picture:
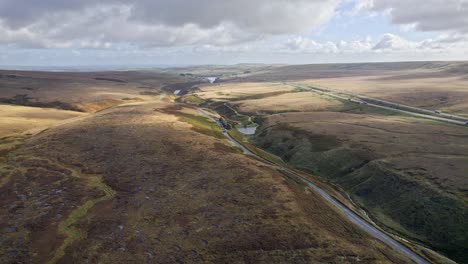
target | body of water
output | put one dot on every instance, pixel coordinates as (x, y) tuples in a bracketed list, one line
[(247, 130), (212, 79)]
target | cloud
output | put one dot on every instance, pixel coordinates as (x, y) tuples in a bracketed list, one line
[(260, 16), (306, 45), (388, 43), (147, 30), (423, 15), (301, 44), (394, 42), (148, 23)]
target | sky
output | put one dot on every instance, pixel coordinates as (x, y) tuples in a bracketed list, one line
[(194, 32)]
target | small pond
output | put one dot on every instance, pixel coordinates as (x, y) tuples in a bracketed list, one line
[(212, 79), (247, 130)]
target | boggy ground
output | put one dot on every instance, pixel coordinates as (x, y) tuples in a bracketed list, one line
[(150, 183)]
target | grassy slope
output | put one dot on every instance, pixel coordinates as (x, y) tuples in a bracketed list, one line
[(201, 124), (87, 91), (393, 197), (15, 120), (179, 195)]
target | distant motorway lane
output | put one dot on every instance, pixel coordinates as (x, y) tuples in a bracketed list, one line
[(392, 106), (353, 217)]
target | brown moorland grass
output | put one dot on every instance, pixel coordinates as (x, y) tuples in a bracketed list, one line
[(432, 85), (87, 91), (446, 93), (300, 101), (183, 194), (391, 137), (177, 195), (410, 174), (241, 90), (15, 120)]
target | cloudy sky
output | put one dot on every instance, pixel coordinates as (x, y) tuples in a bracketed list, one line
[(179, 32)]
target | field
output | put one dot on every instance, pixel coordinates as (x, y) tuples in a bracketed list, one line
[(152, 182)]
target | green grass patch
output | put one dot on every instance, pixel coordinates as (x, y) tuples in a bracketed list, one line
[(193, 99), (232, 115), (67, 227), (239, 137), (201, 124)]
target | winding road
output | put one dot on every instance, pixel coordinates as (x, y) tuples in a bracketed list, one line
[(353, 217)]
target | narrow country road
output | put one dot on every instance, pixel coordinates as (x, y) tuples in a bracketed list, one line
[(353, 217), (393, 106)]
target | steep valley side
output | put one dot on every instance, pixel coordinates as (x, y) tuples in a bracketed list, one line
[(390, 180)]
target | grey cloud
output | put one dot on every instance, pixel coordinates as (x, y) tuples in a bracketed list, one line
[(157, 23), (261, 16), (20, 13), (426, 15)]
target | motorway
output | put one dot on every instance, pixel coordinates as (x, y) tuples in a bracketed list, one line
[(458, 120), (353, 217)]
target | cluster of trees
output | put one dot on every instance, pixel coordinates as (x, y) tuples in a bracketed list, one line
[(225, 123)]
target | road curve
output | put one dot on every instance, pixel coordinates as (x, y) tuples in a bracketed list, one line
[(353, 217)]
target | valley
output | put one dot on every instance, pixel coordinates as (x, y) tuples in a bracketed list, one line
[(115, 167)]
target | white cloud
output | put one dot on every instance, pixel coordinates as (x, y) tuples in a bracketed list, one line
[(355, 46), (387, 43), (394, 42), (306, 45)]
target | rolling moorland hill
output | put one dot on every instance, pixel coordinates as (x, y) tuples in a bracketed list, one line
[(316, 71), (87, 91), (157, 183), (408, 173), (431, 85)]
